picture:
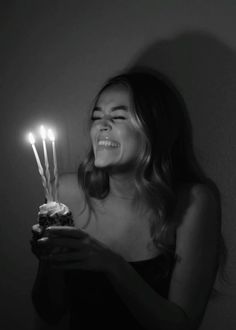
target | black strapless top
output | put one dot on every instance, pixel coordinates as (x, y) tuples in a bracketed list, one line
[(94, 302)]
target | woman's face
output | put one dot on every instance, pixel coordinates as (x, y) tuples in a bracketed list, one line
[(115, 138)]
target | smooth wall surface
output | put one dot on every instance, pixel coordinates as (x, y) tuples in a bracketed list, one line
[(55, 56)]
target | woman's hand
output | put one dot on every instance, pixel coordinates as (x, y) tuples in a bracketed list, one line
[(37, 246), (78, 250)]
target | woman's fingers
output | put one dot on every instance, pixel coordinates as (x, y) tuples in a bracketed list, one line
[(67, 231), (36, 231), (37, 248), (70, 266), (67, 261), (36, 228), (70, 243), (66, 257), (40, 247)]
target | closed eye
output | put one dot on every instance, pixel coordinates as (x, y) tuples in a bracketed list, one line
[(119, 117), (93, 118)]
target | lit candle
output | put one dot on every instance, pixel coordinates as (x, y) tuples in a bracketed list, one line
[(43, 136), (51, 137), (40, 168)]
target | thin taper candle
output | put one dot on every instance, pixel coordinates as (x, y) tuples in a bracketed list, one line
[(40, 168), (43, 136), (52, 139)]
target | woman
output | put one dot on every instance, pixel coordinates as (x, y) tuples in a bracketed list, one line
[(144, 250)]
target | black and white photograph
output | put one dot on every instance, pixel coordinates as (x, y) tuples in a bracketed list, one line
[(118, 163)]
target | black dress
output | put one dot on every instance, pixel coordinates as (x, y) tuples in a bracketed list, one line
[(94, 303)]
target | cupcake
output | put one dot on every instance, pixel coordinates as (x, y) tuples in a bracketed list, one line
[(54, 214)]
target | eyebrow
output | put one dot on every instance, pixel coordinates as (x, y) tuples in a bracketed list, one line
[(118, 107)]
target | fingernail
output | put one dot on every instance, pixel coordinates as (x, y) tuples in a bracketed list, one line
[(43, 240)]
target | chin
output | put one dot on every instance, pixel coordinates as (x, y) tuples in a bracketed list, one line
[(100, 163)]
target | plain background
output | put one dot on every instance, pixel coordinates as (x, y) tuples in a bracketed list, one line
[(55, 56)]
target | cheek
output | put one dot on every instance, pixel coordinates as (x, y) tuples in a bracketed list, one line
[(136, 146), (133, 143), (92, 134)]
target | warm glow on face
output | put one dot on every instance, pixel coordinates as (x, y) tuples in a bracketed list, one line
[(51, 135), (31, 138), (42, 132)]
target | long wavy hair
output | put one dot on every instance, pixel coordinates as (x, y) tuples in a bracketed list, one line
[(167, 159)]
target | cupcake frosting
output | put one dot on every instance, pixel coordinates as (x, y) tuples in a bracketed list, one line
[(52, 208)]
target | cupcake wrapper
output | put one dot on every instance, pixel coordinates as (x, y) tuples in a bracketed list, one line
[(55, 220)]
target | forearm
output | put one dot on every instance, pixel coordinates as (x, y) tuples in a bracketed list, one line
[(150, 309), (48, 293)]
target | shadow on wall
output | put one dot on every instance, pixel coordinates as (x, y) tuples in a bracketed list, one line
[(203, 68)]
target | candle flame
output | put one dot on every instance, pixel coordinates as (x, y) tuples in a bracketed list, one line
[(42, 132), (51, 135), (31, 138)]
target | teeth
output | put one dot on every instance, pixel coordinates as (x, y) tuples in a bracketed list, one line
[(108, 144)]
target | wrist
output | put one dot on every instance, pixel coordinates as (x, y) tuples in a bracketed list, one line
[(116, 267)]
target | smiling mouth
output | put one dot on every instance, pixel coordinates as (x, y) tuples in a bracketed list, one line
[(108, 144)]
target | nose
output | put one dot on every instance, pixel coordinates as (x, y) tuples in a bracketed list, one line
[(105, 125)]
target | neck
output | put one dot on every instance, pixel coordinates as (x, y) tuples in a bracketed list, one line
[(122, 186)]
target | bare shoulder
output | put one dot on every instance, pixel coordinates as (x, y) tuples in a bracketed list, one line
[(198, 233), (197, 249), (69, 189), (204, 194)]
